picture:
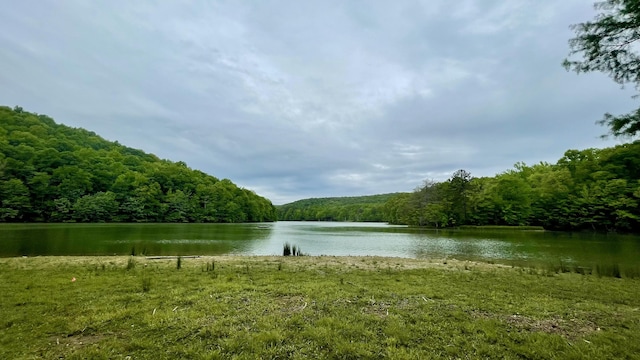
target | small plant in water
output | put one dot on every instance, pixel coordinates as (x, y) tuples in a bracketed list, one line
[(289, 250), (286, 251)]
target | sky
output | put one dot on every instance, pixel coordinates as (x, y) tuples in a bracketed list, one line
[(314, 98)]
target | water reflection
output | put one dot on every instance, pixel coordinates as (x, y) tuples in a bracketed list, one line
[(121, 239), (317, 238)]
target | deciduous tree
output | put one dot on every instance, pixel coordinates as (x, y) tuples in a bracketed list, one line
[(609, 44)]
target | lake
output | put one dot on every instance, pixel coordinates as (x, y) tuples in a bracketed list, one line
[(319, 238)]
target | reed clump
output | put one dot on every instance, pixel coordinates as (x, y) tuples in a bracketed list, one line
[(131, 263), (291, 250)]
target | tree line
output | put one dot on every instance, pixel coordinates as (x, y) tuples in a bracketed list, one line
[(54, 173), (353, 208), (592, 189)]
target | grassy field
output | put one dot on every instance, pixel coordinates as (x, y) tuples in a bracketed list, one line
[(309, 307)]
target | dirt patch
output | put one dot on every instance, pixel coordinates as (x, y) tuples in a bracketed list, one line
[(354, 262), (377, 263), (571, 328), (291, 304), (568, 328), (78, 340)]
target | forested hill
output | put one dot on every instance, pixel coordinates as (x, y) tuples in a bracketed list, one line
[(53, 173), (592, 189), (356, 208)]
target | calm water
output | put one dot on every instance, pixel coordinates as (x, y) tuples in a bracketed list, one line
[(317, 238)]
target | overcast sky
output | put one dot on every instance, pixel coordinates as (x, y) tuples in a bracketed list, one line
[(298, 99)]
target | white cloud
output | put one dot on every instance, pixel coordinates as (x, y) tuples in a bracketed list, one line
[(313, 98)]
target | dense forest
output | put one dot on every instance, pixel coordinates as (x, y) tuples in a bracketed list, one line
[(593, 189), (356, 208), (54, 173)]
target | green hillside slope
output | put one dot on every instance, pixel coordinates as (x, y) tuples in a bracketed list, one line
[(51, 172), (591, 189)]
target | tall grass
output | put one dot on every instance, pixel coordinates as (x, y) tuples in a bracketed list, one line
[(601, 270), (289, 250), (211, 266)]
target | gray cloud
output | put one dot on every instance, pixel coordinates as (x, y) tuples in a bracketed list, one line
[(313, 98)]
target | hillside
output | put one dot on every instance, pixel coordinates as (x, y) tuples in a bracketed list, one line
[(591, 189), (355, 208), (54, 173)]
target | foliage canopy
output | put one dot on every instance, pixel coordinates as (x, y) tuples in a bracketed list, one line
[(592, 189), (609, 44), (353, 208), (53, 173)]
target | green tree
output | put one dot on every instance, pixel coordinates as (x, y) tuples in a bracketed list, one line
[(458, 193), (14, 200), (513, 198), (435, 215), (484, 202), (72, 182), (178, 206), (551, 200), (62, 210), (99, 207), (150, 198), (429, 206), (40, 185), (608, 44)]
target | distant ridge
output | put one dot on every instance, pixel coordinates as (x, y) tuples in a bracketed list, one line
[(349, 208)]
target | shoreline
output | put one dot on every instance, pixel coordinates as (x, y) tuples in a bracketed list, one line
[(363, 262)]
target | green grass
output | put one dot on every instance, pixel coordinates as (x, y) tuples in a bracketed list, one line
[(629, 271), (310, 307)]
